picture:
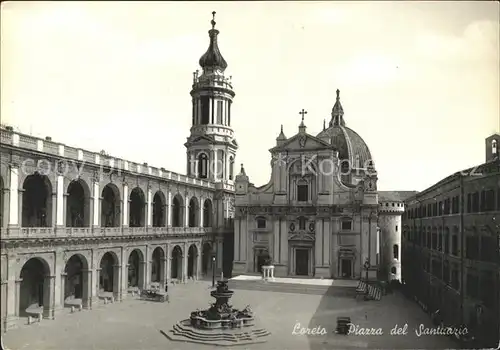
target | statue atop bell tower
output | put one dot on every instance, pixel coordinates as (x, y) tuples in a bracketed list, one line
[(211, 146)]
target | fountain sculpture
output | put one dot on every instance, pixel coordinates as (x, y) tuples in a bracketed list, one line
[(221, 324)]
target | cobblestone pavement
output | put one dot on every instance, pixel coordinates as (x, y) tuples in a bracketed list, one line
[(135, 324)]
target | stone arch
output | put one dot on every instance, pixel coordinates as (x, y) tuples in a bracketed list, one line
[(135, 269), (177, 211), (37, 201), (76, 283), (109, 276), (207, 213), (206, 258), (193, 210), (110, 206), (157, 265), (35, 289), (137, 213), (176, 265), (203, 165), (192, 261), (159, 204), (2, 202), (78, 204)]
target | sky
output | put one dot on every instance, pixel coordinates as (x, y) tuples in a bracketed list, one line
[(419, 81)]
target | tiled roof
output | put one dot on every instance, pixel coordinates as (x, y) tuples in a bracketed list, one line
[(395, 196)]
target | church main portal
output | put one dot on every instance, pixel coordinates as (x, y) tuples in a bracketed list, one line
[(302, 262)]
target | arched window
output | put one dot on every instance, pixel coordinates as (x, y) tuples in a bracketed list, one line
[(494, 147), (231, 167), (202, 166), (302, 223), (395, 251), (261, 222), (302, 191)]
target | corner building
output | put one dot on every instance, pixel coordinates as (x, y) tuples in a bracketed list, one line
[(451, 248), (317, 216), (79, 227)]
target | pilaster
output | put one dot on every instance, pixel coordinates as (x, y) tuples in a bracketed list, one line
[(125, 206)]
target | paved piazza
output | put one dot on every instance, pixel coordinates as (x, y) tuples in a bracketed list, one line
[(135, 324)]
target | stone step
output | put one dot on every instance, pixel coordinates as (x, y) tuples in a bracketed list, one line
[(292, 288), (186, 333)]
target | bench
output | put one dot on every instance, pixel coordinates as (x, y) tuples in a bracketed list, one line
[(73, 303), (107, 297), (374, 293), (361, 288), (154, 295), (35, 313)]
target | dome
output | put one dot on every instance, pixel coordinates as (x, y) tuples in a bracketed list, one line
[(213, 58), (349, 145)]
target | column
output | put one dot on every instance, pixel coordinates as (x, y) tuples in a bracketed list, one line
[(143, 275), (98, 281), (14, 196), (198, 262), (192, 168), (97, 212), (5, 208), (201, 211), (211, 110), (49, 286), (318, 244), (169, 264), (237, 254), (169, 212), (198, 107), (125, 206), (163, 270), (276, 239), (63, 288), (65, 201), (213, 167), (87, 289), (17, 295), (149, 209), (184, 263), (59, 202), (53, 216), (186, 213), (117, 282)]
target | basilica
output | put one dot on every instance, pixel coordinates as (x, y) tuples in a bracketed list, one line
[(317, 216)]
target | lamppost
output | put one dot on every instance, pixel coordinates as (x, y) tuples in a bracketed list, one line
[(367, 266), (213, 269)]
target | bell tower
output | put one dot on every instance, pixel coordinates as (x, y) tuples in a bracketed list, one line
[(211, 146)]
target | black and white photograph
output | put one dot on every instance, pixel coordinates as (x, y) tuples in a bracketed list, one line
[(297, 175)]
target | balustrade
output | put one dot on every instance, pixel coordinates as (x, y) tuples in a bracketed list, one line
[(61, 232)]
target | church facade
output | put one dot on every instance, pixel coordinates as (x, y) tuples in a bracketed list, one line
[(317, 216)]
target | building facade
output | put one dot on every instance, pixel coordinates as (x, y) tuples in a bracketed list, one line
[(317, 216), (78, 227), (451, 245)]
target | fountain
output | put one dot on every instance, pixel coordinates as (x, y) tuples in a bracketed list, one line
[(221, 324)]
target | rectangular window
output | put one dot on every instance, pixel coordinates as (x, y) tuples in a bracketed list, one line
[(469, 202), (440, 208), (454, 245), (302, 223), (219, 112), (454, 279), (205, 110), (434, 241), (346, 225), (446, 243), (302, 193), (261, 223), (396, 228), (488, 200)]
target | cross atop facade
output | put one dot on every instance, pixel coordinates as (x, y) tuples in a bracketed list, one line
[(303, 112)]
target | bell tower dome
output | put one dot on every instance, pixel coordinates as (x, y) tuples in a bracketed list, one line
[(211, 146)]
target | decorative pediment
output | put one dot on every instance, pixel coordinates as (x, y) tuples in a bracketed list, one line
[(300, 236), (201, 139), (302, 141)]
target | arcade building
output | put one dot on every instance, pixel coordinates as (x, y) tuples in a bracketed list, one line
[(80, 227)]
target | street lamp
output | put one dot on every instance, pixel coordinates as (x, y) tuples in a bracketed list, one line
[(367, 266), (213, 269)]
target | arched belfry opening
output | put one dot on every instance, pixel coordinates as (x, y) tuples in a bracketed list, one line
[(37, 201), (203, 166)]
